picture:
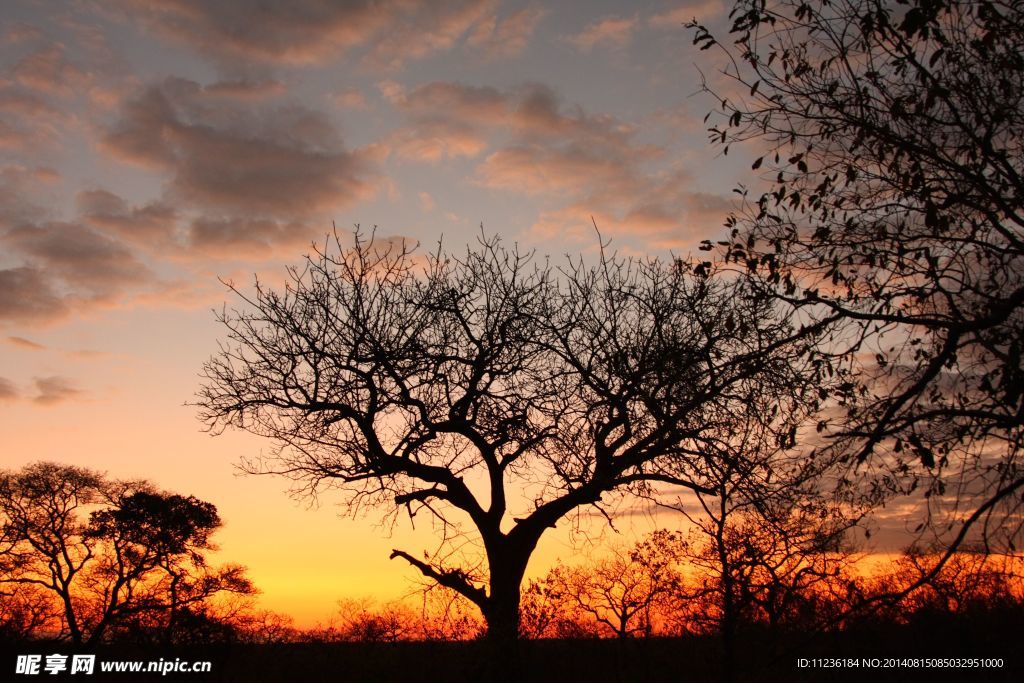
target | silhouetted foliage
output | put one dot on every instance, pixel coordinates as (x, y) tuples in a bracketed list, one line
[(492, 390), (265, 627), (361, 621), (625, 593), (783, 568), (25, 611), (442, 615), (447, 615), (87, 558), (896, 205), (968, 584), (545, 613)]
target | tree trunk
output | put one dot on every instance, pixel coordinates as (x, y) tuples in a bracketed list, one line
[(502, 612), (74, 630), (502, 616), (728, 624), (728, 631)]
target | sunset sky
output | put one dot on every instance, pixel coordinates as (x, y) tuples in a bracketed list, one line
[(150, 148)]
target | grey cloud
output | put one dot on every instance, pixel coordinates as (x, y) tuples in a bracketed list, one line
[(255, 173), (242, 237), (21, 32), (55, 389), (152, 226), (18, 185), (27, 295), (8, 392), (9, 135), (146, 131), (310, 31), (53, 266), (247, 89), (79, 256), (276, 173), (480, 104)]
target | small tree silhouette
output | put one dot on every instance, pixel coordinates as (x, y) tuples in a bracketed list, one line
[(108, 554)]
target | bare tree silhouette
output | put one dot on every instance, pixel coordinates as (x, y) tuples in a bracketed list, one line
[(491, 390)]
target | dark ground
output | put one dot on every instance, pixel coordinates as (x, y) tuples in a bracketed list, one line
[(765, 658)]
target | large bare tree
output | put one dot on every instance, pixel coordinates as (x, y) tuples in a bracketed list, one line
[(492, 390)]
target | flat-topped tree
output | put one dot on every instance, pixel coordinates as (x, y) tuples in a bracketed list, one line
[(98, 559), (491, 390)]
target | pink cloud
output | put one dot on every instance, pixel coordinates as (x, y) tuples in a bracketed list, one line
[(509, 36), (349, 98), (21, 32), (578, 163), (658, 210), (417, 30), (539, 169), (49, 71), (436, 141), (678, 16), (613, 32), (23, 343), (427, 202), (29, 120), (677, 225)]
